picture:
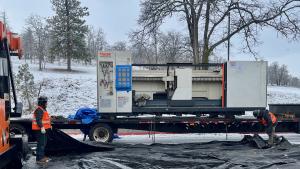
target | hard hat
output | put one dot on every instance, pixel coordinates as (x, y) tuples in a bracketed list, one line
[(42, 99)]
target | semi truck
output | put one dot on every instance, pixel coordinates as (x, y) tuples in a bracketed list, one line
[(174, 97)]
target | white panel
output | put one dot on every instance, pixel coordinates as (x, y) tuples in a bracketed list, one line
[(246, 84), (109, 99), (106, 85), (184, 84), (124, 98), (124, 101)]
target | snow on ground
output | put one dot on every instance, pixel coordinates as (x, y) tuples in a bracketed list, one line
[(189, 138), (279, 94), (68, 91)]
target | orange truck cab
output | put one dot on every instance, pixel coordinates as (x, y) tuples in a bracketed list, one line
[(10, 44)]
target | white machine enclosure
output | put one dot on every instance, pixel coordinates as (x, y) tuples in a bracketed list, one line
[(111, 100), (246, 84)]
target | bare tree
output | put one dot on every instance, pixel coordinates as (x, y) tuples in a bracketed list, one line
[(207, 20), (142, 47), (28, 44), (294, 81), (171, 47), (95, 43), (273, 72), (40, 30), (283, 76), (119, 46), (280, 76)]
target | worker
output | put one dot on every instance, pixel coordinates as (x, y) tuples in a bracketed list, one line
[(40, 124), (269, 120)]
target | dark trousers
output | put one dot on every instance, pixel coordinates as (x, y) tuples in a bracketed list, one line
[(270, 130), (41, 144)]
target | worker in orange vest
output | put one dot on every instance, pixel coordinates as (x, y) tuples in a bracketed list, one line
[(41, 122), (269, 120)]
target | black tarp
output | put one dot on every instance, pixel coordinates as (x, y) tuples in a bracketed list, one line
[(60, 143), (215, 154)]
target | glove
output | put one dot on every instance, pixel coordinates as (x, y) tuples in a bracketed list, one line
[(43, 131)]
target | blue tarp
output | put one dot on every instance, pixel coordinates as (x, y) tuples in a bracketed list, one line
[(86, 115)]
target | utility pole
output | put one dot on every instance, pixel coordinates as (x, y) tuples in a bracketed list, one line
[(228, 47), (4, 18)]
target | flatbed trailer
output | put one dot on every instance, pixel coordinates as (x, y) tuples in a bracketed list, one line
[(102, 130), (177, 98)]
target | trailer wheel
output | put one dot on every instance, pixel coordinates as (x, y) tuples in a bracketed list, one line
[(101, 133)]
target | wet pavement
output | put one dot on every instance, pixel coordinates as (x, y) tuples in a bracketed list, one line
[(215, 154)]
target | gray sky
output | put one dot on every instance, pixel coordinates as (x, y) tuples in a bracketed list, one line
[(118, 17)]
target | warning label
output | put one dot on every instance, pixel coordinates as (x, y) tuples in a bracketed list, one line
[(105, 103), (122, 101)]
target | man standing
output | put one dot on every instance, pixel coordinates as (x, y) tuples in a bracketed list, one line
[(40, 124), (269, 120)]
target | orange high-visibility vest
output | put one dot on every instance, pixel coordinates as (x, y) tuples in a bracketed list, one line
[(273, 118), (45, 120)]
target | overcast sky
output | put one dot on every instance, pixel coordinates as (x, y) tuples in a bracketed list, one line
[(118, 17)]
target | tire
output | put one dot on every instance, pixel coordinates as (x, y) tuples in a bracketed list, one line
[(101, 133)]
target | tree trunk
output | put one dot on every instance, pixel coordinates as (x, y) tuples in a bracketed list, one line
[(206, 53), (196, 53), (156, 46), (192, 22), (39, 55), (29, 103), (206, 50), (69, 62), (69, 58)]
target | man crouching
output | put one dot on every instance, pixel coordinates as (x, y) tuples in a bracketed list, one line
[(269, 120)]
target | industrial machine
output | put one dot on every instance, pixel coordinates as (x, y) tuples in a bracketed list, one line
[(10, 146), (230, 88)]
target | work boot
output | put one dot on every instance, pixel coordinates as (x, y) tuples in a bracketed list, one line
[(43, 160), (47, 158), (277, 139), (271, 139)]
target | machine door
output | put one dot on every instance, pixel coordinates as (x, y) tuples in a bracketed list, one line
[(246, 84)]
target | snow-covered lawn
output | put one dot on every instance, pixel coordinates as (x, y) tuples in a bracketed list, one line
[(68, 91), (279, 94)]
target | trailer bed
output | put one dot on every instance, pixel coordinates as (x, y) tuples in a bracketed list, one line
[(175, 124)]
